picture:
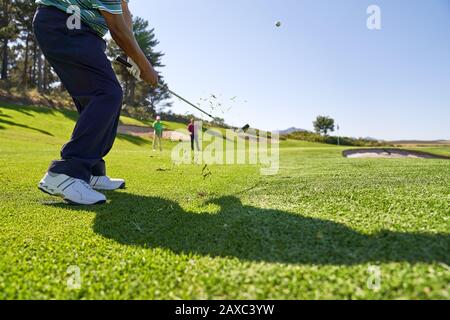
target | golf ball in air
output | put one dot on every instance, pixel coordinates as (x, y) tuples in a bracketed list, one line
[(278, 24)]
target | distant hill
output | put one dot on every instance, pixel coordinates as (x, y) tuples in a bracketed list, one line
[(292, 130), (344, 141)]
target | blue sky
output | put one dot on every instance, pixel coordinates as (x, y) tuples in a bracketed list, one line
[(390, 84)]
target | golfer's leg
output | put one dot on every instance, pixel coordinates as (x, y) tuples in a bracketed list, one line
[(92, 136), (196, 143), (192, 142), (78, 57), (160, 142), (154, 142), (100, 168)]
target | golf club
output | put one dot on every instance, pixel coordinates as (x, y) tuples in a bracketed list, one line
[(128, 65)]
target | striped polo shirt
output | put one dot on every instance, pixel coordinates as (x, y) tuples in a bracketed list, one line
[(89, 11)]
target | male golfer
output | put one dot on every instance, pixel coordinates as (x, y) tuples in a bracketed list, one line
[(158, 133), (76, 51)]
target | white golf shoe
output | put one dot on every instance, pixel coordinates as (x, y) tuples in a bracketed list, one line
[(75, 191), (106, 183)]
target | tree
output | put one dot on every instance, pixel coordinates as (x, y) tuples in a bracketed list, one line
[(23, 65), (323, 124), (8, 31), (22, 62), (25, 24)]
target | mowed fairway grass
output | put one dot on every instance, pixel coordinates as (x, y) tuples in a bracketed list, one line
[(310, 232)]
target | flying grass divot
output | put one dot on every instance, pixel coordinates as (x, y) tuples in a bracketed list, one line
[(206, 173)]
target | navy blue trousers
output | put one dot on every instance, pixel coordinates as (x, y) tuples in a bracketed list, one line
[(79, 59)]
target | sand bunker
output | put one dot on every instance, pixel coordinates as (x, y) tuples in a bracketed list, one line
[(390, 153), (139, 131)]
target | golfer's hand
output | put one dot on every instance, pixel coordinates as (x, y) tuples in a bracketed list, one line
[(145, 73), (149, 75), (134, 69)]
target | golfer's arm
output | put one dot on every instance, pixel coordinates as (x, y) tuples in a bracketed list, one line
[(127, 16), (124, 37)]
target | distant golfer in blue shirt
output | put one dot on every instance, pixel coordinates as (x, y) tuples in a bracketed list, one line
[(70, 34)]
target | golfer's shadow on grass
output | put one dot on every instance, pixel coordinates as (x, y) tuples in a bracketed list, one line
[(255, 234)]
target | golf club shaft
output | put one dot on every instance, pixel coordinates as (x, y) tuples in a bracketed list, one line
[(128, 65), (186, 101)]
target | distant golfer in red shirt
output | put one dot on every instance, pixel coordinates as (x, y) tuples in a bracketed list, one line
[(194, 134)]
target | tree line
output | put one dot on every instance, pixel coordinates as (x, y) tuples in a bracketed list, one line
[(23, 66)]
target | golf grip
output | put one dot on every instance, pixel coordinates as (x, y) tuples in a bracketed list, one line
[(128, 65)]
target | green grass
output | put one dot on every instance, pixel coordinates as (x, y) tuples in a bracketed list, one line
[(310, 232), (444, 151)]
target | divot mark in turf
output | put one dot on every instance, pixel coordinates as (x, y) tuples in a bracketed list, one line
[(202, 194)]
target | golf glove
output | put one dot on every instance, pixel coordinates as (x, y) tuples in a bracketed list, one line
[(134, 69)]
